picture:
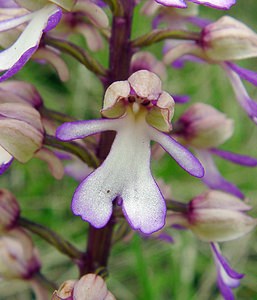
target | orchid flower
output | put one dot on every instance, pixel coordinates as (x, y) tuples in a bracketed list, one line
[(139, 111), (40, 17), (223, 42), (219, 4)]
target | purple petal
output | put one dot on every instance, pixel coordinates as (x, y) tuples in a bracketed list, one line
[(183, 157), (166, 238), (213, 179), (218, 4), (246, 74), (5, 166), (239, 159), (242, 96), (77, 130), (227, 278), (173, 3), (200, 22), (8, 4), (53, 20), (181, 99), (19, 64), (14, 58)]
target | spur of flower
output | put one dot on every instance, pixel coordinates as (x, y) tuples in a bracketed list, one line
[(40, 17), (139, 111)]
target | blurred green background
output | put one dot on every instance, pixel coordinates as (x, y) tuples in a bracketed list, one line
[(142, 269)]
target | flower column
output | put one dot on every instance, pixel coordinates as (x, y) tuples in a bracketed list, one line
[(99, 240)]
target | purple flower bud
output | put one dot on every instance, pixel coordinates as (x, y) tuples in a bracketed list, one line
[(88, 287), (18, 256), (215, 216), (91, 286), (229, 39), (202, 126), (9, 210)]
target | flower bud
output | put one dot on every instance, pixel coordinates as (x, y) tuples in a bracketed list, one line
[(19, 258), (91, 287), (14, 91), (9, 210), (217, 217), (21, 130), (229, 39), (202, 126), (88, 287)]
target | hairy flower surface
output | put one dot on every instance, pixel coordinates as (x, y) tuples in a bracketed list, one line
[(140, 112)]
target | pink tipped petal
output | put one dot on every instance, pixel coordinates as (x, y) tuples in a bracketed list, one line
[(183, 157), (218, 4), (239, 159), (80, 129), (173, 3), (5, 160), (18, 54), (212, 177)]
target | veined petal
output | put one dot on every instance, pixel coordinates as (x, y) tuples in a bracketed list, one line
[(5, 160), (183, 157), (77, 130), (212, 177), (18, 54), (126, 173), (239, 159)]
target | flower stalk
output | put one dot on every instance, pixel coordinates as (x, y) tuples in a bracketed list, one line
[(100, 240), (159, 35), (79, 54), (74, 148), (51, 237)]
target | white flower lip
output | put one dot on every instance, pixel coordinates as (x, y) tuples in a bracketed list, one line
[(126, 171)]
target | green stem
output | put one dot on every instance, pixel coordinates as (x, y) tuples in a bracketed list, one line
[(115, 6), (43, 288), (79, 54), (176, 206), (55, 115), (52, 238), (84, 154), (159, 35)]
